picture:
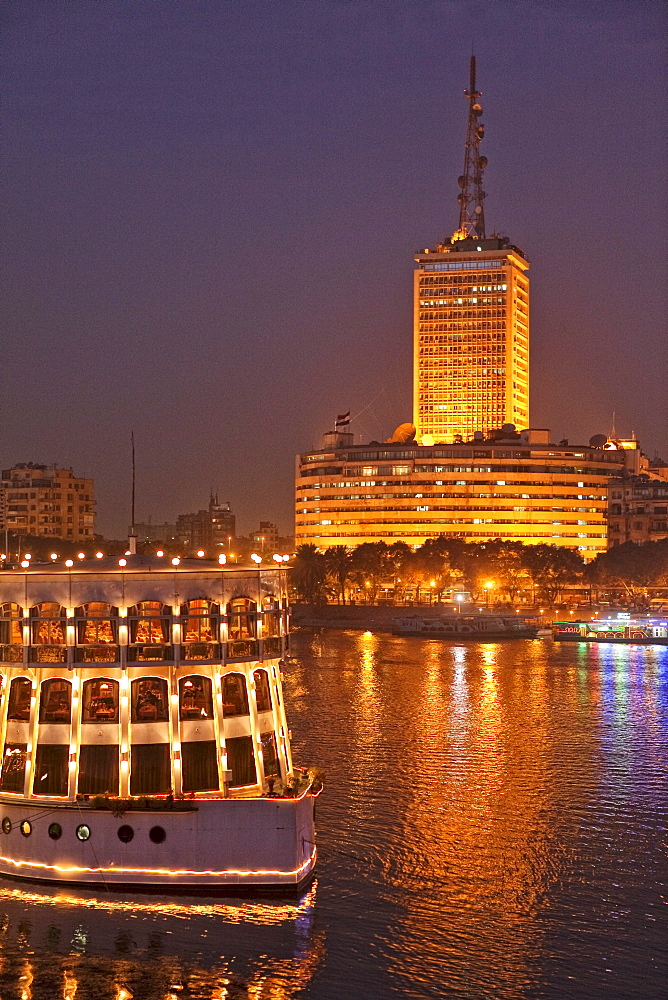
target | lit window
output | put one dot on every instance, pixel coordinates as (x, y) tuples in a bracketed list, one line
[(100, 700), (195, 697), (149, 700), (235, 695), (20, 693), (241, 618), (262, 690)]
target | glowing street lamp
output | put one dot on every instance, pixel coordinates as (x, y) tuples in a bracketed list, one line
[(489, 586)]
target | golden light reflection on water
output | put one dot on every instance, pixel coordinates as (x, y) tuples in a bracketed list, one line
[(480, 824), (241, 911), (133, 947), (367, 690)]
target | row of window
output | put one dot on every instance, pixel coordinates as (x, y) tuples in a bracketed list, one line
[(149, 622), (149, 763), (149, 700)]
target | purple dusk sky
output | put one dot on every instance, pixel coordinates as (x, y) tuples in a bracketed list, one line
[(209, 213)]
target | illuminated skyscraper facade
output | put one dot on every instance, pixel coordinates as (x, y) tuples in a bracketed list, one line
[(471, 318)]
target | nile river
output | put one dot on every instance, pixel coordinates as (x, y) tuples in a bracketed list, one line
[(493, 825)]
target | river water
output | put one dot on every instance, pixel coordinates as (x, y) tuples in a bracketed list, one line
[(493, 825)]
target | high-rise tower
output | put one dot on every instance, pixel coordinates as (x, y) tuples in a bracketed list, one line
[(471, 317)]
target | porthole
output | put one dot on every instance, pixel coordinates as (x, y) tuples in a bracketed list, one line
[(26, 827), (6, 825), (83, 832), (157, 834), (125, 833), (55, 831)]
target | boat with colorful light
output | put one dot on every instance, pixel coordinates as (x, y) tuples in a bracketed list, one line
[(143, 726), (623, 629)]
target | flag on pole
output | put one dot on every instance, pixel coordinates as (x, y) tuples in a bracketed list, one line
[(342, 420)]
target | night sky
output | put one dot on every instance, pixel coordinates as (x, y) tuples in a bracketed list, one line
[(209, 212)]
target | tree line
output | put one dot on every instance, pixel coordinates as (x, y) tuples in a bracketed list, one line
[(496, 570)]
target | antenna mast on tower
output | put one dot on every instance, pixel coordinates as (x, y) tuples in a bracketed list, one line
[(471, 196)]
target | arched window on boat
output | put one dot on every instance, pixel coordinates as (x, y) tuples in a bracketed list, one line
[(11, 633), (271, 616), (235, 695), (20, 693), (241, 618), (48, 632), (100, 700), (55, 701), (150, 702), (149, 623), (97, 632), (195, 697), (200, 629), (262, 690)]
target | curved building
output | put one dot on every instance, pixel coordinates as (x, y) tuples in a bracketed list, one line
[(509, 485)]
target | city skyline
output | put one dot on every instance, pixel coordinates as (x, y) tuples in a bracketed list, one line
[(210, 215)]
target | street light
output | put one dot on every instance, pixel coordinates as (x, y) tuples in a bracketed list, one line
[(488, 587)]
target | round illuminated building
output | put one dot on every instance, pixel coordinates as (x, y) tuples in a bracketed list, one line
[(143, 727)]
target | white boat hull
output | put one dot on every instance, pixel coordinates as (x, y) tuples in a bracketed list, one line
[(218, 845)]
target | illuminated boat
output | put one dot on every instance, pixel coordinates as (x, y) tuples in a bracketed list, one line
[(143, 727), (477, 627), (643, 631)]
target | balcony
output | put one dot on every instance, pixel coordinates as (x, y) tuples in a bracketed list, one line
[(201, 650), (11, 653), (142, 654), (47, 654), (242, 649), (100, 653)]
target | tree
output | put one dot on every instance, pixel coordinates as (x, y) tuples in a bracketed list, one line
[(430, 568), (551, 567), (632, 567), (309, 571), (369, 566), (339, 565)]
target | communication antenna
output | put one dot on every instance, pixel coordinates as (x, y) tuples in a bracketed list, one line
[(472, 196), (132, 537)]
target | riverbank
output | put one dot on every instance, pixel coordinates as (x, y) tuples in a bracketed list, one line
[(363, 617)]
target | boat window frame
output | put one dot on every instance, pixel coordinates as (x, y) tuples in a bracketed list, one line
[(83, 618), (85, 704), (227, 677), (135, 685), (246, 619), (38, 619), (196, 713), (44, 687), (138, 613), (14, 684)]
